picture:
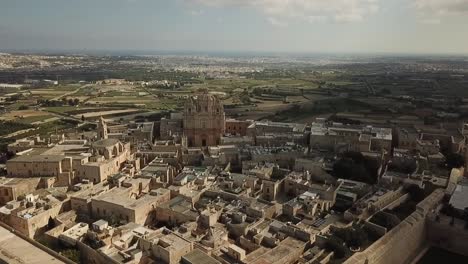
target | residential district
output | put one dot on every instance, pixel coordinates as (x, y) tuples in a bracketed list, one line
[(199, 188)]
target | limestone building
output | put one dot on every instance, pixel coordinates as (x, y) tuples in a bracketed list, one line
[(12, 188), (128, 204), (32, 214), (73, 161), (360, 138), (204, 120)]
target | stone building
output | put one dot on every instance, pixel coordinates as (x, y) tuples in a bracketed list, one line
[(31, 215), (171, 127), (176, 211), (39, 166), (335, 136), (80, 200), (267, 133), (127, 204), (135, 133), (237, 127), (165, 246), (71, 163), (204, 120), (12, 188)]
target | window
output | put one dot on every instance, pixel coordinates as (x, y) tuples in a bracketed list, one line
[(206, 108)]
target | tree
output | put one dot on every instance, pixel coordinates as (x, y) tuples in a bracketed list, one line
[(353, 236), (72, 254), (51, 223), (335, 244), (454, 160), (417, 194), (407, 166), (14, 98), (354, 166), (386, 91)]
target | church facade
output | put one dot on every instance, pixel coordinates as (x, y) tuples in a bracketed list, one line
[(204, 120)]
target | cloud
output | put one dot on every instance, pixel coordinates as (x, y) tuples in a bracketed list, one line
[(433, 11), (196, 12), (276, 22), (282, 12), (430, 21)]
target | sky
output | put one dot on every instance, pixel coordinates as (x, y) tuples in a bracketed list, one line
[(296, 26)]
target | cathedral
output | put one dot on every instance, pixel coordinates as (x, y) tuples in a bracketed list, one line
[(204, 120)]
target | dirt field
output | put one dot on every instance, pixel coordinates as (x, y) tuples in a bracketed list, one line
[(22, 113)]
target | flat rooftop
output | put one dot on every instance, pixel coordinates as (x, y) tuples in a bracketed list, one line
[(14, 181), (199, 257), (61, 149), (38, 158), (90, 192), (119, 196)]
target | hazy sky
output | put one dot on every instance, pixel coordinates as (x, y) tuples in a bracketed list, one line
[(368, 26)]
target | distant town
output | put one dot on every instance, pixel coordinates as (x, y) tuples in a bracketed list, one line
[(203, 159)]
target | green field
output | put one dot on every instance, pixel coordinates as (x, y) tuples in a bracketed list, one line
[(32, 119)]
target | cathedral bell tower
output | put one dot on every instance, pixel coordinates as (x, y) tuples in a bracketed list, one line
[(102, 129)]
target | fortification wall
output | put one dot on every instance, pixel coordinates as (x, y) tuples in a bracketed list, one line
[(404, 241), (92, 256)]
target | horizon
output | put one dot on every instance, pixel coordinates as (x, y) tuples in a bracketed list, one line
[(227, 53), (426, 27)]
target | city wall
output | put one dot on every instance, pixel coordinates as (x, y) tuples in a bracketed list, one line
[(37, 244), (402, 243)]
